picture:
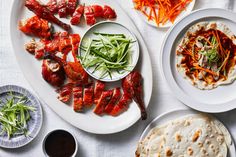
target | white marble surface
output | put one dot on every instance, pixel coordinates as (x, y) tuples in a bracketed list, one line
[(116, 145)]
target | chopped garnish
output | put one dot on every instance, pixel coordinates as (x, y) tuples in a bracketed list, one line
[(14, 115)]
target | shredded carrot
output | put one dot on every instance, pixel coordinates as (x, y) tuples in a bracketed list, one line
[(225, 61), (162, 11), (188, 52), (150, 15), (206, 70), (216, 35)]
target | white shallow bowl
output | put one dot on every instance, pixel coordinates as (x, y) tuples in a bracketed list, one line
[(219, 99), (168, 24), (53, 131), (110, 28), (175, 114)]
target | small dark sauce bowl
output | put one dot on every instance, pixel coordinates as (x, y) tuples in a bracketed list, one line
[(60, 143)]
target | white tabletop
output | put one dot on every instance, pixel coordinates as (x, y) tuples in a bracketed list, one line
[(122, 144)]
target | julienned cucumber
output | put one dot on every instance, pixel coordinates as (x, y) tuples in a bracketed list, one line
[(107, 53), (14, 115)]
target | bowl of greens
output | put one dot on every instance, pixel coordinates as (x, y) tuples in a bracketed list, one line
[(20, 116), (108, 51)]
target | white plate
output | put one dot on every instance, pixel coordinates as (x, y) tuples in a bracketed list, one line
[(188, 10), (112, 28), (88, 121), (172, 115), (34, 124), (219, 99)]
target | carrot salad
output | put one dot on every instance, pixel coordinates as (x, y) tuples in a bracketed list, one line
[(161, 11)]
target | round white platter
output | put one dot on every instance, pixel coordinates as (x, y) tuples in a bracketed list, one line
[(31, 69)]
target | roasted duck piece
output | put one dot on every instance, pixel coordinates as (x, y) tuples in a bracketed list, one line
[(75, 39), (35, 48), (114, 99), (36, 26), (52, 6), (43, 12), (103, 101), (62, 8), (65, 92), (89, 15), (132, 86), (122, 105), (108, 12), (98, 89), (78, 98), (97, 10), (71, 6), (76, 17), (73, 70), (76, 72), (52, 72), (61, 42), (88, 96)]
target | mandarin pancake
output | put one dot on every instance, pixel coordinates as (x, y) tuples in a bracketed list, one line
[(60, 143), (206, 56)]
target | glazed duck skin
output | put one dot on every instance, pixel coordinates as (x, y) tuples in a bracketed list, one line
[(43, 12)]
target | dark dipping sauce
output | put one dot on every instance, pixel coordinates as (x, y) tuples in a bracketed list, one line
[(60, 143)]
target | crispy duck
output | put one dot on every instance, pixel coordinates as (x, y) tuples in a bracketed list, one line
[(114, 99), (77, 15), (132, 86), (65, 92), (102, 102), (108, 12), (121, 106), (73, 70), (78, 98), (52, 6), (71, 6), (43, 12), (36, 26), (62, 8), (98, 89), (60, 42), (53, 72), (89, 15), (88, 96), (54, 48), (97, 10)]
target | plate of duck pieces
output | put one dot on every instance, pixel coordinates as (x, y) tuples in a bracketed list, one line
[(46, 39)]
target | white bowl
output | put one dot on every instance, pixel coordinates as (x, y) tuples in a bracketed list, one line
[(51, 132), (113, 28)]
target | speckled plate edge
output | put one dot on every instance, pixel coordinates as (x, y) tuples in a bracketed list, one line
[(136, 49), (178, 113), (38, 122)]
